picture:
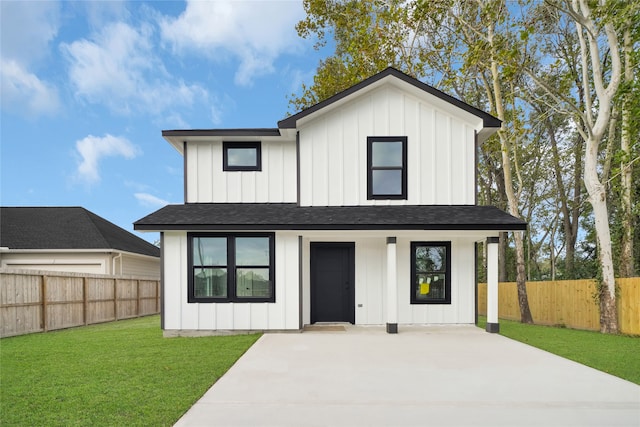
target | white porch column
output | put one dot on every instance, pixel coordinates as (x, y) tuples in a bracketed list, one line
[(492, 285), (392, 287)]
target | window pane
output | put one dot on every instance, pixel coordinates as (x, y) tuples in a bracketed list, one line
[(386, 153), (209, 251), (431, 258), (252, 251), (210, 282), (430, 286), (253, 283), (387, 182), (242, 156)]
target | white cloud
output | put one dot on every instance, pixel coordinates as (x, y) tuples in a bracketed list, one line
[(26, 30), (93, 148), (118, 68), (254, 32), (24, 92), (147, 199)]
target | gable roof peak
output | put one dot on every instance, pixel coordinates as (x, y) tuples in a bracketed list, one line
[(488, 120)]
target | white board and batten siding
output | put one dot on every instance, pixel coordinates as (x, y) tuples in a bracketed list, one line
[(370, 277), (180, 315), (370, 286), (440, 147), (207, 182)]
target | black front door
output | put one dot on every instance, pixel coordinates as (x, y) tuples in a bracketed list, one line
[(333, 282)]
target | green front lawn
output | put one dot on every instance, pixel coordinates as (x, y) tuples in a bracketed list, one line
[(617, 355), (113, 374)]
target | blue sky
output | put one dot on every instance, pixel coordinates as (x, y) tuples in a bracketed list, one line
[(88, 86)]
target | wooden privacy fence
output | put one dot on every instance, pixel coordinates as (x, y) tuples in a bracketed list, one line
[(570, 303), (40, 301)]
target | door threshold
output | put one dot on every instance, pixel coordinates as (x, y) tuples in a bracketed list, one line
[(326, 327)]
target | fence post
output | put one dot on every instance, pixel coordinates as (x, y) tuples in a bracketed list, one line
[(45, 325), (115, 299), (85, 300), (138, 298)]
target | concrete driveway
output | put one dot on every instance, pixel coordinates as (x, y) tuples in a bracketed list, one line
[(423, 376)]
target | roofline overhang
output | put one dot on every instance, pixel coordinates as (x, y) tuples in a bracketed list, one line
[(223, 132), (177, 137), (336, 227)]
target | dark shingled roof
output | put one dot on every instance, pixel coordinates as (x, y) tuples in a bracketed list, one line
[(66, 228), (290, 216)]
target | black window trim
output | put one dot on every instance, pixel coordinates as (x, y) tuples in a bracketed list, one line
[(226, 145), (231, 268), (370, 168), (447, 298)]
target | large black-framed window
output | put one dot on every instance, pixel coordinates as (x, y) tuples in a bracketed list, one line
[(231, 267), (431, 272), (386, 167), (241, 156)]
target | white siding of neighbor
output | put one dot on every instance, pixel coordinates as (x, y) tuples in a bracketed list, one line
[(88, 262), (179, 315), (333, 151), (94, 263), (139, 266), (370, 272), (207, 182)]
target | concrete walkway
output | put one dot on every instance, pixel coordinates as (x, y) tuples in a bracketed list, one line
[(427, 376)]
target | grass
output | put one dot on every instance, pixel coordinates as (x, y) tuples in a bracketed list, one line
[(615, 354), (120, 373)]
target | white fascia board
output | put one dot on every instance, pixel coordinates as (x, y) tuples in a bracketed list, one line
[(58, 251), (177, 142), (342, 235)]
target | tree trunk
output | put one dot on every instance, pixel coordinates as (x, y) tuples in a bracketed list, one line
[(626, 250), (596, 117), (598, 200), (570, 227), (523, 301)]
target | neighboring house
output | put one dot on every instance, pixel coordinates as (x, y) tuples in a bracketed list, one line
[(72, 239), (360, 209)]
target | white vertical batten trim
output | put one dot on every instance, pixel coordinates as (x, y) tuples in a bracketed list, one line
[(392, 283), (492, 282)]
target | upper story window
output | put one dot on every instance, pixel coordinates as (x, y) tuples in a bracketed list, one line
[(241, 156), (387, 167), (431, 272), (236, 267)]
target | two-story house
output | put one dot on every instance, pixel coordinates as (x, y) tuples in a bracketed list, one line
[(360, 209)]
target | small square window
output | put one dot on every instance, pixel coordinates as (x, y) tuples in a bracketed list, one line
[(387, 167), (241, 156)]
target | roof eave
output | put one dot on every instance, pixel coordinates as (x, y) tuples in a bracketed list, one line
[(324, 227), (177, 137)]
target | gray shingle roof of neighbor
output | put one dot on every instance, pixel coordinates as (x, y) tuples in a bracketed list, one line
[(66, 228), (290, 216)]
